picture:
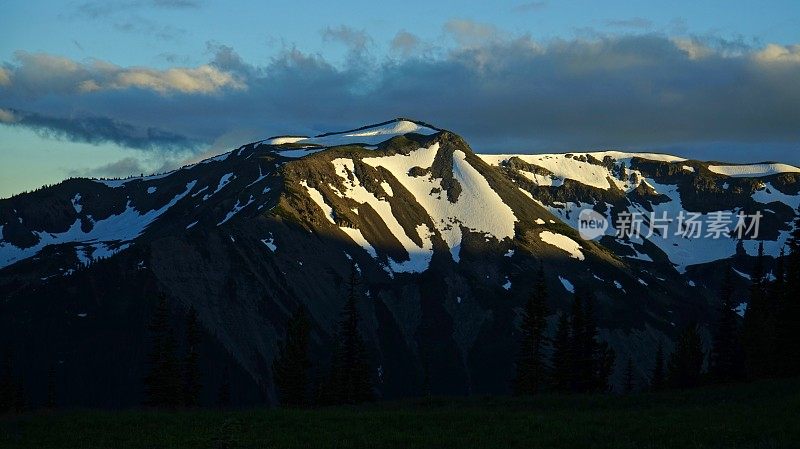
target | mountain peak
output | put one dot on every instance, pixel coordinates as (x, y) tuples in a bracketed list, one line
[(364, 135)]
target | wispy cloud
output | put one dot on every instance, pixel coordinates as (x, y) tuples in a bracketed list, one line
[(97, 130), (99, 9), (639, 23), (530, 6)]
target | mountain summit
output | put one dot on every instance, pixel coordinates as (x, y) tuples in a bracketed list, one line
[(446, 241)]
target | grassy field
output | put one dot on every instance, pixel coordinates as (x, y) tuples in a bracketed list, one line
[(760, 415)]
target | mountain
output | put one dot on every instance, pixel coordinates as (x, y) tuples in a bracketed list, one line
[(446, 241)]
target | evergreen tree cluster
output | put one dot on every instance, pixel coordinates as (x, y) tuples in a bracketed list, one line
[(770, 337), (12, 388), (172, 382), (580, 362), (349, 380), (765, 344)]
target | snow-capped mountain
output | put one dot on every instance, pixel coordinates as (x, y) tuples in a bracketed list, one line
[(446, 241)]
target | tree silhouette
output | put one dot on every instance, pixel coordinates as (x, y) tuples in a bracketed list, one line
[(657, 379), (224, 391), (788, 338), (350, 375), (726, 353), (531, 368), (562, 358), (686, 363), (758, 328), (191, 368), (162, 383), (291, 366), (628, 386), (51, 401)]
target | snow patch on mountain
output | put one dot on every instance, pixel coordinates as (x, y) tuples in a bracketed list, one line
[(122, 227), (753, 170), (419, 256), (367, 136), (468, 211), (563, 243)]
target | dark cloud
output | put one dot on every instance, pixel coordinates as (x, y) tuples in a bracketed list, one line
[(99, 9), (530, 6), (634, 22), (140, 25), (503, 93), (97, 130)]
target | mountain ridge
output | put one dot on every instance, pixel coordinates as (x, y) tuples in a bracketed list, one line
[(445, 239)]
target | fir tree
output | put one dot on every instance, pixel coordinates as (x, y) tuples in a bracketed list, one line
[(657, 379), (291, 366), (191, 367), (562, 358), (350, 375), (757, 330), (787, 336), (162, 383), (726, 354), (629, 381), (7, 393), (51, 400), (224, 391), (579, 353), (531, 368), (686, 363)]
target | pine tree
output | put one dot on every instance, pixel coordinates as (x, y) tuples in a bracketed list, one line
[(191, 367), (224, 392), (291, 366), (531, 368), (350, 375), (657, 379), (562, 358), (726, 353), (51, 400), (6, 383), (580, 355), (757, 330), (162, 383), (787, 336), (686, 363), (600, 353), (629, 381)]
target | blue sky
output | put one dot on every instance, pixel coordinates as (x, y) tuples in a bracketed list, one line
[(91, 88)]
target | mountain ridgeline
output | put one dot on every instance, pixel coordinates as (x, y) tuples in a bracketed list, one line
[(447, 245)]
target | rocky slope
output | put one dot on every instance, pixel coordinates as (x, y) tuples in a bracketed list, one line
[(446, 241)]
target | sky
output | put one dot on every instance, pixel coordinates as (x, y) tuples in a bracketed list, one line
[(120, 87)]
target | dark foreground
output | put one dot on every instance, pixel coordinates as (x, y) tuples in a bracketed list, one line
[(760, 415)]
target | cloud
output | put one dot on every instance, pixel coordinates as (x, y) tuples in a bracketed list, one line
[(405, 43), (139, 25), (774, 53), (7, 116), (40, 74), (634, 22), (468, 33), (502, 92), (95, 9), (97, 130), (5, 77), (530, 6)]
